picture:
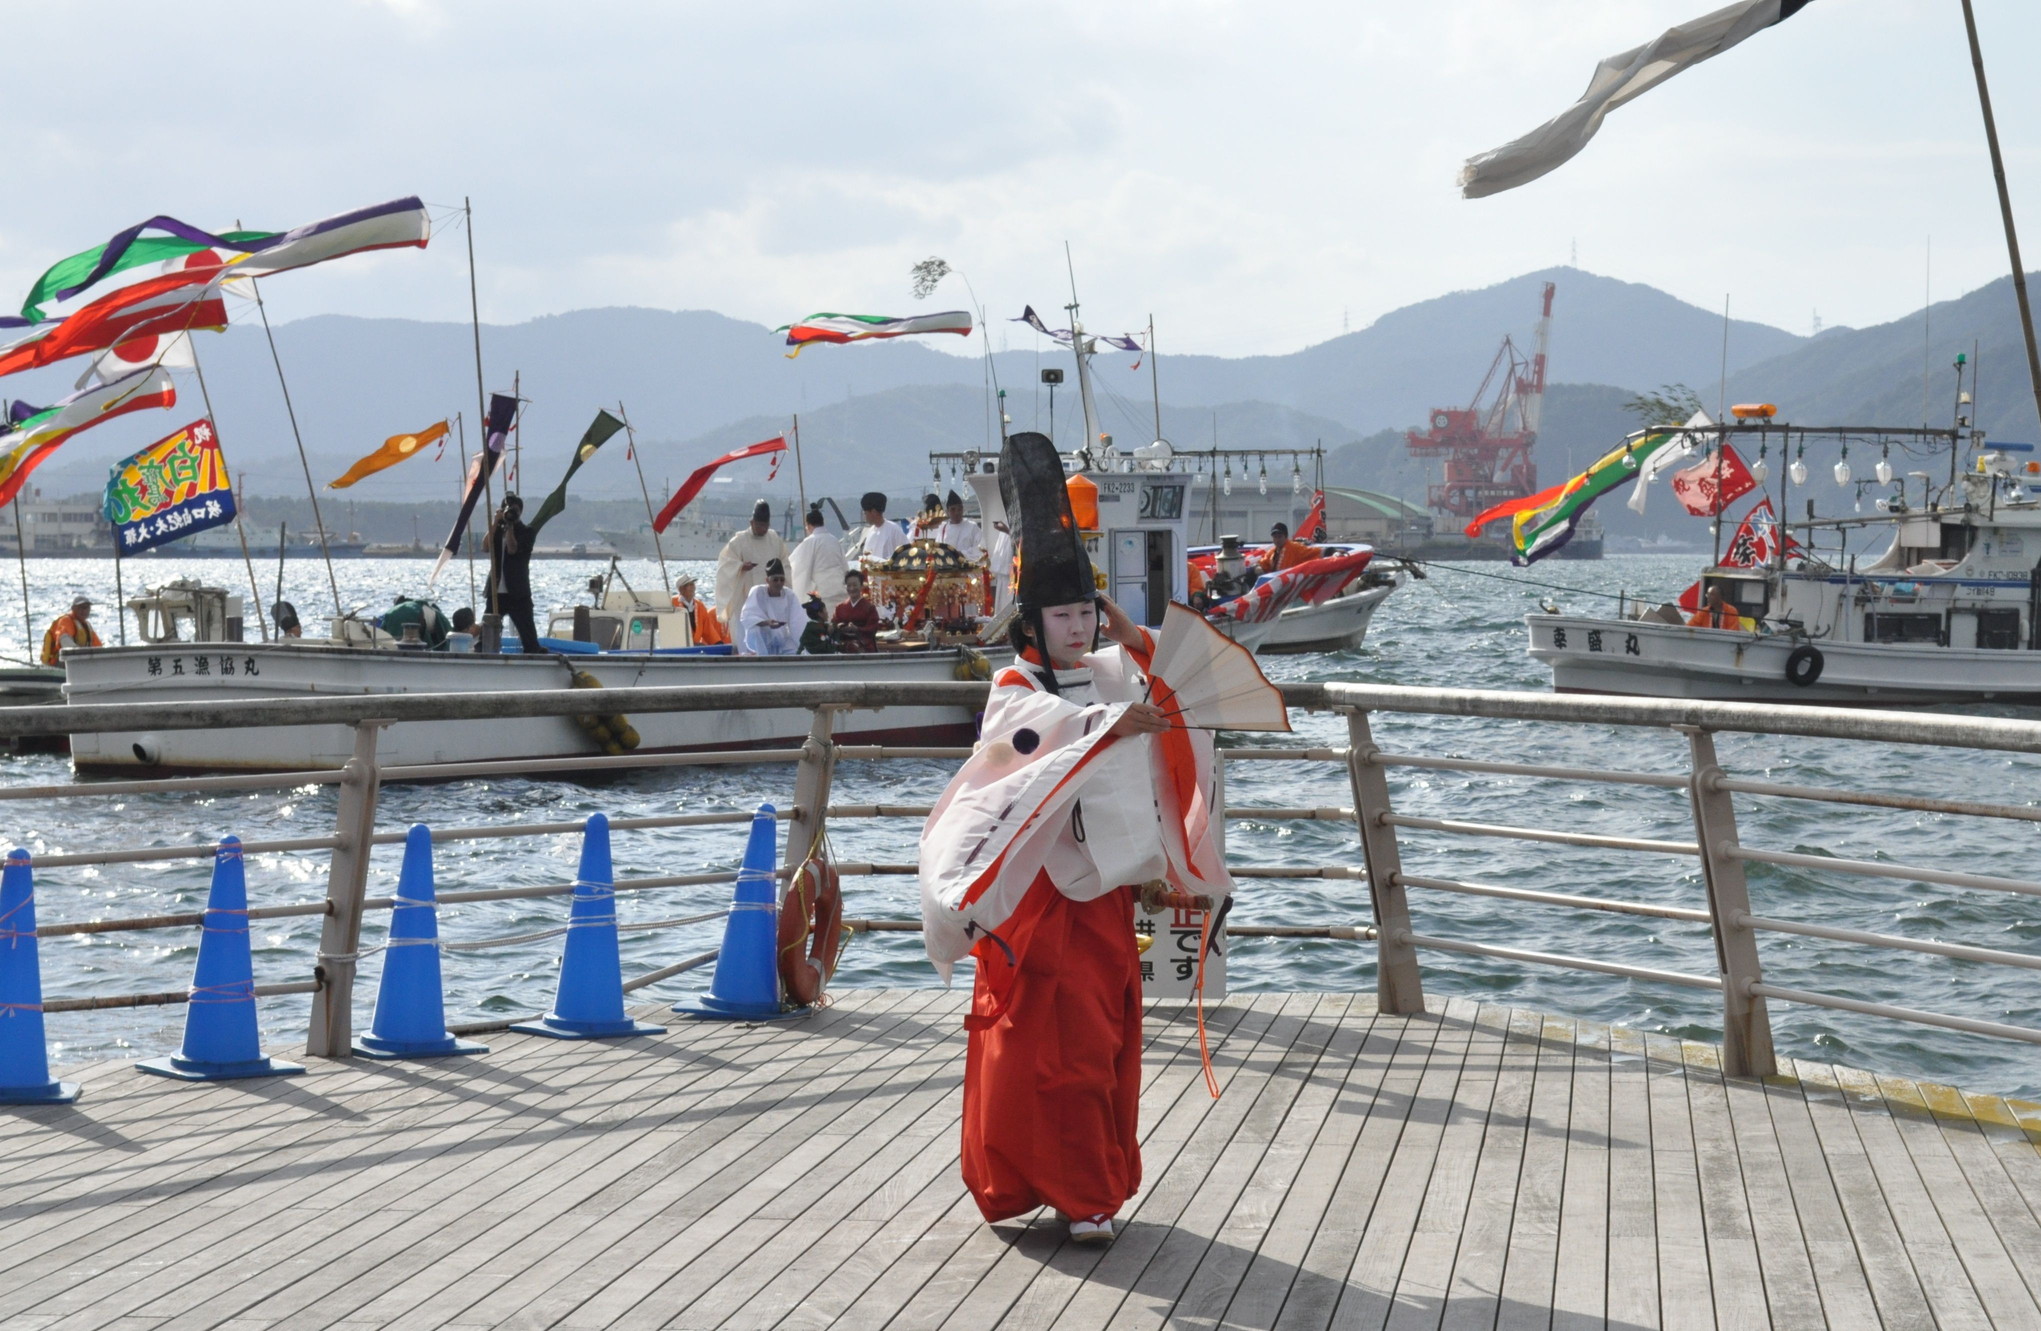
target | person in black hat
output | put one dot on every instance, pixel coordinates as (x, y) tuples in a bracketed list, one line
[(510, 572), (1052, 1075), (767, 626), (741, 565), (959, 532)]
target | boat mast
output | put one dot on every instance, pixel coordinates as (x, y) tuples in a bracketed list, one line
[(800, 472), (2005, 207), (1078, 347), (1154, 383), (631, 447), (461, 493), (475, 322), (239, 530), (311, 491)]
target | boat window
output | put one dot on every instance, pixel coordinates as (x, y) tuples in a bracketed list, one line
[(1746, 594), (1998, 629), (1919, 627), (1955, 541)]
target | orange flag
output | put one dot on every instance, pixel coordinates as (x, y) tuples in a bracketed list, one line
[(394, 450)]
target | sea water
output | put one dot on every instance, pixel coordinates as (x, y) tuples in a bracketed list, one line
[(1461, 627)]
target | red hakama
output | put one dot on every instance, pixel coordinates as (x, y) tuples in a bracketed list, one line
[(1052, 1076)]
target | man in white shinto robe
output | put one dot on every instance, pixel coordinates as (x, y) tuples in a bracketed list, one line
[(882, 538), (1001, 562), (771, 622), (818, 565), (959, 532), (741, 566)]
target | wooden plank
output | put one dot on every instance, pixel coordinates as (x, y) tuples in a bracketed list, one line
[(1532, 1266), (401, 1237), (1580, 1288), (1792, 1293), (1211, 1244), (1633, 1186), (1733, 1268), (1265, 1285), (1370, 1283), (1425, 1280), (785, 1074), (1970, 1228), (1886, 1191), (1473, 1286), (1686, 1292), (1990, 1180), (1383, 1085)]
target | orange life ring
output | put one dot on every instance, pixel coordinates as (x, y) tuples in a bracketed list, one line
[(811, 931)]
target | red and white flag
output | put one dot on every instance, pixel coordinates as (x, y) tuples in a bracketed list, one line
[(1713, 483), (1757, 539)]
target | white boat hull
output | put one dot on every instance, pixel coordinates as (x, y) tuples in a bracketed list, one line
[(171, 672), (1657, 660), (1337, 625)]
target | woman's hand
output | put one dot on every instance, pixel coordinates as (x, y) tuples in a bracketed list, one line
[(1141, 718), (1119, 626)]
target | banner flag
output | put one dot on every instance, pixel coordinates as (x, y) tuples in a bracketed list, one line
[(1617, 80), (699, 477), (172, 489), (595, 436), (32, 433), (1714, 483), (502, 411), (865, 327), (394, 450)]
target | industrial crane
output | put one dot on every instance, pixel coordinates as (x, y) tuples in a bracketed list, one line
[(1487, 449)]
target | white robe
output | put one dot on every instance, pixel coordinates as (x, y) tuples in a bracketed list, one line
[(1002, 571), (1045, 790), (882, 539), (964, 537), (817, 568), (758, 639), (732, 582)]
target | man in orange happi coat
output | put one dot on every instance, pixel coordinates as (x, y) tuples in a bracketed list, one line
[(1284, 552), (1078, 792)]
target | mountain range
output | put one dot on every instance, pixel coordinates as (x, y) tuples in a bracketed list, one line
[(695, 383)]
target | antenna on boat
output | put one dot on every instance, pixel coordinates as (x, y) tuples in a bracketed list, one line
[(1154, 382), (800, 472), (2005, 206), (1091, 430), (631, 443)]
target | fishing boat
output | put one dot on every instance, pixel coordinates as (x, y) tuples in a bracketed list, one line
[(1338, 623), (1933, 597)]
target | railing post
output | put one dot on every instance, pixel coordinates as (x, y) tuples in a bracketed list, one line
[(1399, 988), (332, 1029), (1746, 1026)]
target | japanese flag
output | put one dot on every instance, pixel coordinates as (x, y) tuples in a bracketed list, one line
[(171, 351)]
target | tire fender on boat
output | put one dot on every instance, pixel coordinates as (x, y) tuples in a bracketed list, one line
[(810, 931), (1803, 666)]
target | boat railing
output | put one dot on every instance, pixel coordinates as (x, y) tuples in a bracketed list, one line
[(1382, 831)]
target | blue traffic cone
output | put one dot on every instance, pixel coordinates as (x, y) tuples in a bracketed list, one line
[(410, 1019), (747, 984), (24, 1061), (220, 1038), (590, 1004)]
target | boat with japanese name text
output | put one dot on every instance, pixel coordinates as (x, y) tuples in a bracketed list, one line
[(1934, 596)]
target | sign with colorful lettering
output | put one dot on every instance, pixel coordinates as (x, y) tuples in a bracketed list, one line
[(172, 488), (1169, 960)]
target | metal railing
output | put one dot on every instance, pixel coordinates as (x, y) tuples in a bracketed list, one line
[(1725, 908)]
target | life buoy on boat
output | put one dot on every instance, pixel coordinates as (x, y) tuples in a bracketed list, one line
[(811, 931), (1803, 667)]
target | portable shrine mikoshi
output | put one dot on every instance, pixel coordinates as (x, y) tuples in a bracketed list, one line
[(928, 583)]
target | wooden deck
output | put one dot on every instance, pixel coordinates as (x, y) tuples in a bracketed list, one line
[(1479, 1166)]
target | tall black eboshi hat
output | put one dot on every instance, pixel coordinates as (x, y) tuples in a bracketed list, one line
[(1054, 570)]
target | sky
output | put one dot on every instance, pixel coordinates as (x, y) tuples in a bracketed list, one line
[(1257, 176)]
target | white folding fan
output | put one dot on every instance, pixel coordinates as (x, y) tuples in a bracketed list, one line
[(1210, 681)]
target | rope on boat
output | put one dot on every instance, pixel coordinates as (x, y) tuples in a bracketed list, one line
[(1522, 582)]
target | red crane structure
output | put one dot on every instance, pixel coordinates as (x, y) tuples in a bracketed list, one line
[(1487, 449)]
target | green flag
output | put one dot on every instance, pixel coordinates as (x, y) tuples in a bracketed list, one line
[(593, 438)]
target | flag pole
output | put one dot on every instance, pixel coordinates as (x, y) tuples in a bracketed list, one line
[(481, 394), (631, 445), (516, 469), (800, 472), (120, 609), (311, 491), (2005, 207), (261, 621), (29, 652), (461, 491)]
